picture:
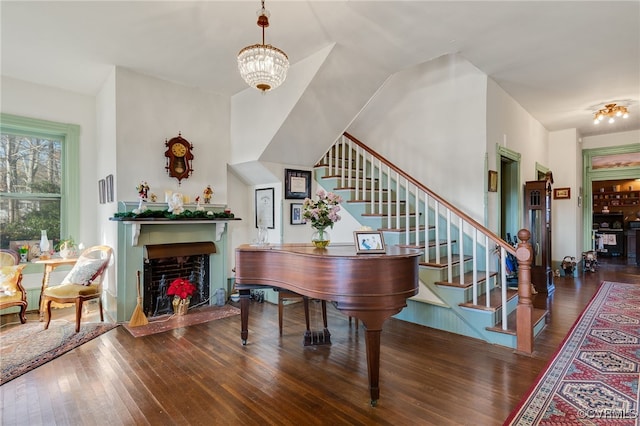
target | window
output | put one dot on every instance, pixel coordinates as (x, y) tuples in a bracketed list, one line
[(37, 160)]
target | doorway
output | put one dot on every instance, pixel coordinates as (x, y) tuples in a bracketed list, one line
[(510, 194)]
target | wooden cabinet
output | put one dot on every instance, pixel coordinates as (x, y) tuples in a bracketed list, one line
[(538, 215)]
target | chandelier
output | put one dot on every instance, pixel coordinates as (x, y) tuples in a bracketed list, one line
[(610, 111), (261, 65)]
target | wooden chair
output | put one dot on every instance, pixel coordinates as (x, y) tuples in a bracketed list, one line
[(82, 283), (11, 291)]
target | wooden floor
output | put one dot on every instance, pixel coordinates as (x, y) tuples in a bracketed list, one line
[(202, 375)]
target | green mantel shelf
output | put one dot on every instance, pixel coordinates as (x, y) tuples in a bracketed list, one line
[(137, 223)]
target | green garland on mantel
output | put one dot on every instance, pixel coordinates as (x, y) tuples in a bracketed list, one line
[(165, 214)]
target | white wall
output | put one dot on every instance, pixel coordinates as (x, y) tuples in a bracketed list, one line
[(611, 139), (150, 111), (510, 126), (566, 219), (430, 120), (47, 103)]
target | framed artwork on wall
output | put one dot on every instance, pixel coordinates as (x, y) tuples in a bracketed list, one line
[(561, 193), (296, 214), (493, 181), (109, 180), (297, 184), (369, 242), (102, 191), (265, 210)]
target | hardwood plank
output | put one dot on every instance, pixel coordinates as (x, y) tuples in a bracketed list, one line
[(203, 375)]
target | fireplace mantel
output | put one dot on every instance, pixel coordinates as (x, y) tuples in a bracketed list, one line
[(135, 233), (137, 225)]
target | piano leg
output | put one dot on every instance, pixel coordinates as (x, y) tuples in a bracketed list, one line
[(245, 297), (372, 339)]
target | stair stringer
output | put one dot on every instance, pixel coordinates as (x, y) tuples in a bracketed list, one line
[(440, 309)]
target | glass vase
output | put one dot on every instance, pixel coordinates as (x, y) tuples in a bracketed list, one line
[(320, 238), (44, 244)]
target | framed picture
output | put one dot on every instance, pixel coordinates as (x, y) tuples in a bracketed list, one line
[(561, 193), (265, 208), (297, 184), (109, 180), (369, 242), (296, 214), (493, 181), (102, 191)]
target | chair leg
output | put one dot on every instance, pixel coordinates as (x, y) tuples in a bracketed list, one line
[(47, 304), (23, 314), (101, 313), (78, 314)]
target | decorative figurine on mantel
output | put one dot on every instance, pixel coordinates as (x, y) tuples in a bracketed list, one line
[(208, 193), (199, 208), (143, 190), (176, 204)]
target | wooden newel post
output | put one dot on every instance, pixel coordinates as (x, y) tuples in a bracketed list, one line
[(524, 311)]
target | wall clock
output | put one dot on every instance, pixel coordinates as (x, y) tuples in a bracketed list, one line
[(179, 156)]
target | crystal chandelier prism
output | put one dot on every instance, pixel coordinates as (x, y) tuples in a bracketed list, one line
[(261, 65)]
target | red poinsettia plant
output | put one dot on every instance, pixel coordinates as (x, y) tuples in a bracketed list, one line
[(181, 288)]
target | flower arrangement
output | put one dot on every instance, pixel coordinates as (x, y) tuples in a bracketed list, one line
[(181, 288), (322, 212), (23, 249)]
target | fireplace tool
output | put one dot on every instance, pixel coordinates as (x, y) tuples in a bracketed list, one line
[(138, 318)]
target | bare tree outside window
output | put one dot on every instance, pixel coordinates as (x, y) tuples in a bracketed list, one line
[(30, 187)]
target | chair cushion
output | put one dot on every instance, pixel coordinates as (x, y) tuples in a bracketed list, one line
[(9, 277), (71, 290), (84, 271)]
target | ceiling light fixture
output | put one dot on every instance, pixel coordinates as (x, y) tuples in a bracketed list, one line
[(610, 111), (261, 65)]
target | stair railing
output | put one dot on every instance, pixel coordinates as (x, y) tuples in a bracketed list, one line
[(359, 167)]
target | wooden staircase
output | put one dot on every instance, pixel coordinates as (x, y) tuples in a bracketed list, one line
[(463, 279)]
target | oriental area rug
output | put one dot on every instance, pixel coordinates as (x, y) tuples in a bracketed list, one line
[(24, 347), (163, 323), (593, 378)]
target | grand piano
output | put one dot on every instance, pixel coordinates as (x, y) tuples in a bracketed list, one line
[(369, 287)]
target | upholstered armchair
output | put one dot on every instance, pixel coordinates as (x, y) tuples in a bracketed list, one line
[(11, 291), (82, 283)]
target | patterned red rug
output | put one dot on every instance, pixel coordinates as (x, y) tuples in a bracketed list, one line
[(24, 347), (169, 322), (593, 378)]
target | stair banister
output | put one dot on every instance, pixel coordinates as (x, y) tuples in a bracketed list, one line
[(493, 237), (374, 164)]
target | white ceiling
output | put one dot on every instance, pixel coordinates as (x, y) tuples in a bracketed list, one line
[(559, 60)]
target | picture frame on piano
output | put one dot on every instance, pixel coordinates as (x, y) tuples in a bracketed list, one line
[(369, 242)]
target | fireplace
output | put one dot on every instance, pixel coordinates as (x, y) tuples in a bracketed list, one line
[(163, 263), (134, 238)]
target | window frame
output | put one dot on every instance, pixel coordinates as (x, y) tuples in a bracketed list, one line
[(69, 134)]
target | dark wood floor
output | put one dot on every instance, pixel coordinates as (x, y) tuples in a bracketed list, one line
[(203, 375)]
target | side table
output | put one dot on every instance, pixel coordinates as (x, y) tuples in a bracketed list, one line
[(49, 266)]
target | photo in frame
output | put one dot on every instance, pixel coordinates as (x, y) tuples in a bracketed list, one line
[(492, 185), (561, 193), (297, 184), (369, 242), (296, 214), (265, 210), (109, 181), (102, 191)]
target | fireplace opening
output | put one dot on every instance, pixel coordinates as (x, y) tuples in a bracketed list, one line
[(163, 263)]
